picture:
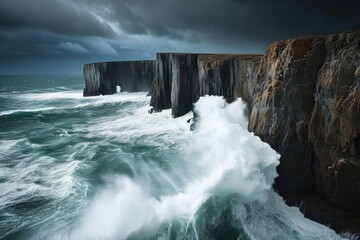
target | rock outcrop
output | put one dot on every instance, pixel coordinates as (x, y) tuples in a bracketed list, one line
[(103, 78), (175, 82), (306, 105), (182, 78), (334, 125), (230, 76)]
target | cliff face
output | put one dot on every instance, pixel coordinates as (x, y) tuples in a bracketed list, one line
[(306, 105), (304, 100), (162, 82), (334, 126), (282, 103), (176, 82), (182, 78), (303, 97), (102, 78), (230, 76)]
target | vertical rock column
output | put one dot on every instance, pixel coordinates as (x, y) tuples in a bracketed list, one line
[(161, 98), (185, 83)]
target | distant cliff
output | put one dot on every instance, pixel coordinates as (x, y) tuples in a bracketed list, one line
[(103, 78)]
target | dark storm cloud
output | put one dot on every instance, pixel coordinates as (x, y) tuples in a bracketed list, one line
[(42, 31), (38, 51), (233, 20), (54, 16)]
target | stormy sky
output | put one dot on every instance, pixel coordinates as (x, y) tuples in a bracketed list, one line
[(59, 36)]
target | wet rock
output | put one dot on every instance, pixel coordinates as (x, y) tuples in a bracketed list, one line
[(230, 76), (334, 127), (132, 76), (182, 78), (281, 104), (306, 105), (322, 211), (162, 83)]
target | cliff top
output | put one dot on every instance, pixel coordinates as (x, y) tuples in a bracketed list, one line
[(121, 61), (215, 54), (221, 57)]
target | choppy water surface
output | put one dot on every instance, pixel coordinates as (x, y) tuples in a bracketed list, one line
[(103, 168)]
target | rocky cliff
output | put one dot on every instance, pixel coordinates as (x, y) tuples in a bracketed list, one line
[(306, 105), (182, 78), (304, 100), (103, 78), (175, 84)]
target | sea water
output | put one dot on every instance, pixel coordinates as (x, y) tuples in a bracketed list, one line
[(103, 168)]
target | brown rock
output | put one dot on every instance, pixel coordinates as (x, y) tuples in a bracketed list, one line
[(281, 105), (334, 127)]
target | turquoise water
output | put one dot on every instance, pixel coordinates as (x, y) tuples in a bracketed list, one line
[(103, 168)]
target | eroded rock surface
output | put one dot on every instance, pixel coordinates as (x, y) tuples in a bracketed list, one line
[(103, 78), (334, 127), (182, 78), (306, 105)]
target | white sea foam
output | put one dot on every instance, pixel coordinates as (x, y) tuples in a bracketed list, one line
[(222, 156), (273, 219), (75, 94), (6, 146), (115, 98), (10, 112), (51, 95), (79, 101), (40, 178), (29, 178)]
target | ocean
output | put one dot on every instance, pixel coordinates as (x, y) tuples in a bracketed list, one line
[(104, 168)]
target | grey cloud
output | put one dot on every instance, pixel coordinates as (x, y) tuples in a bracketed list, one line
[(72, 47), (55, 16), (44, 52), (40, 44), (228, 21), (82, 31)]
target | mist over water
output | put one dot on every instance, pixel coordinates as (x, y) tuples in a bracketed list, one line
[(103, 168)]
